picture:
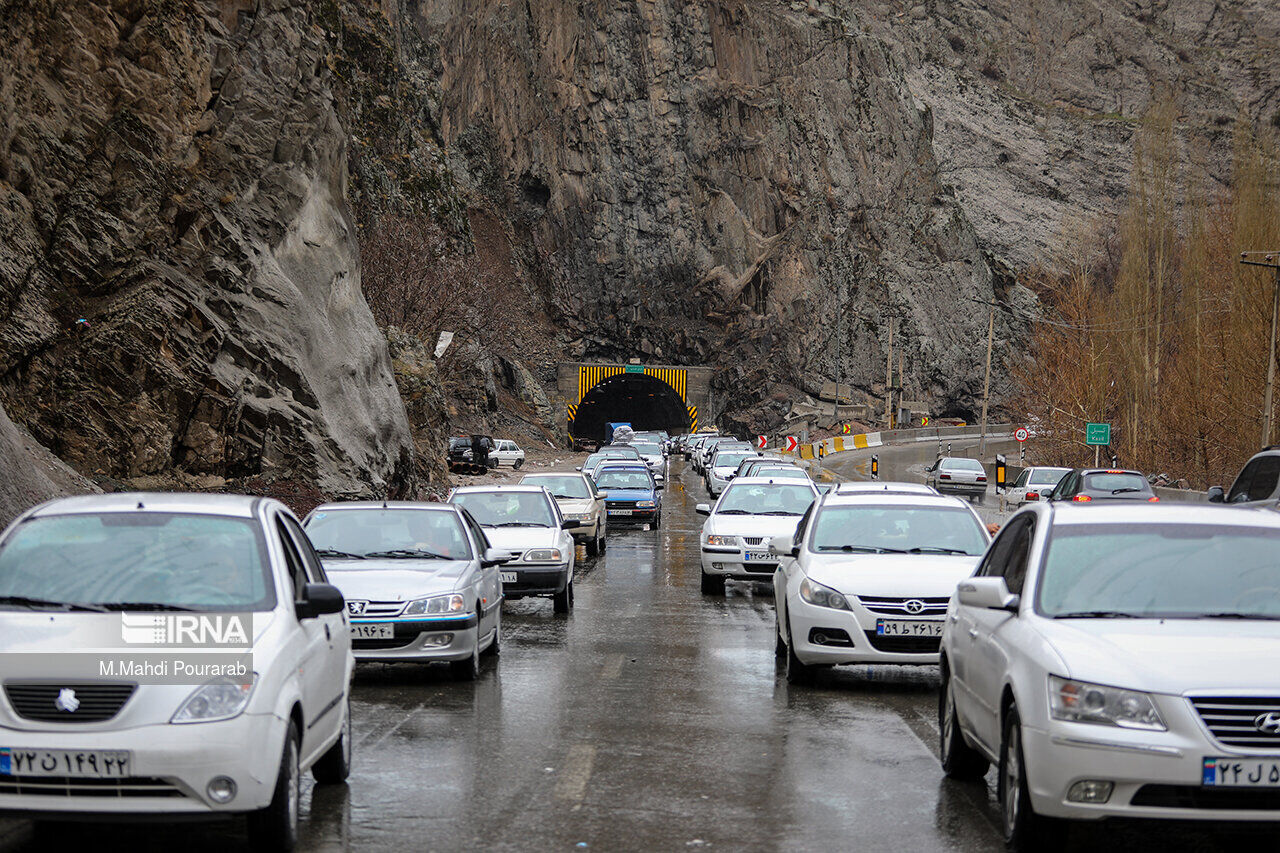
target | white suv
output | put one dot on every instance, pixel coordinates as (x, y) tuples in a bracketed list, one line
[(98, 717), (1119, 664), (506, 452)]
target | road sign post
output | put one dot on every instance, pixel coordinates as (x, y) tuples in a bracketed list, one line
[(791, 444), (875, 467), (761, 442), (1021, 434), (1097, 436), (1000, 473)]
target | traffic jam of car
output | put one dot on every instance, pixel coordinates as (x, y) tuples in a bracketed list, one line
[(1102, 653)]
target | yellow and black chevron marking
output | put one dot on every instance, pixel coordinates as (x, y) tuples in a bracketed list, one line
[(589, 376), (693, 419), (573, 413)]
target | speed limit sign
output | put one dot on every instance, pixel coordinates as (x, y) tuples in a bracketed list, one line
[(1021, 434)]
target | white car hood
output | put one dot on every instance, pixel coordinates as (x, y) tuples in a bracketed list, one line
[(394, 580), (522, 538), (891, 575), (767, 526), (570, 505), (1168, 656)]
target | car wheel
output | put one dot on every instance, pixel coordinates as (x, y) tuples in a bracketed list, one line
[(1024, 830), (779, 644), (335, 765), (712, 584), (276, 826), (467, 669), (516, 465), (593, 546), (562, 601), (959, 760), (657, 521), (495, 648), (798, 672)]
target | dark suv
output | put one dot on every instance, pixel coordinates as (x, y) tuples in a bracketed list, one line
[(1102, 484), (1258, 482)]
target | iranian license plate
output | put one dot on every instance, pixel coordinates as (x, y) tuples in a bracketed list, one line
[(619, 512), (758, 557), (1242, 772), (509, 577), (913, 628), (372, 631), (78, 763)]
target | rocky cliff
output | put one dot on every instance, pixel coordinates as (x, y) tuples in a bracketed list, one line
[(178, 263)]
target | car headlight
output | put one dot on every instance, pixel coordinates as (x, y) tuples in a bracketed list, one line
[(823, 596), (221, 699), (543, 555), (437, 604), (1082, 702), (645, 504), (722, 540)]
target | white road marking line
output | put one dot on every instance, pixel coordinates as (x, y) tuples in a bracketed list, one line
[(572, 785), (389, 732), (612, 667)]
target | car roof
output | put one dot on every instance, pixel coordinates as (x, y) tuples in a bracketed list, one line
[(770, 481), (892, 499), (428, 505), (240, 506), (624, 465), (1087, 471), (516, 487), (884, 487), (1171, 512), (945, 459), (534, 475)]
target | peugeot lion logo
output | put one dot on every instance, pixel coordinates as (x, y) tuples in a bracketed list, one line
[(914, 605), (1268, 723), (355, 608), (66, 700)]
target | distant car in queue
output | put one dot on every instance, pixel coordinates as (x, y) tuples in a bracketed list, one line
[(632, 496), (609, 451), (1033, 484), (581, 500), (740, 527), (1086, 485), (957, 475)]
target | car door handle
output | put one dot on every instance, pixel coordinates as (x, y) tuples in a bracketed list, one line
[(973, 633)]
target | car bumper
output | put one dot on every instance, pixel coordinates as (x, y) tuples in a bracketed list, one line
[(851, 637), (535, 580), (589, 531), (171, 767), (422, 641), (962, 488), (636, 518), (715, 485), (732, 563), (1156, 774)]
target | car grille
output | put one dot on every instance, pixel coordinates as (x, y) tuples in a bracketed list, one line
[(377, 609), (1231, 719), (898, 606), (760, 568), (904, 645), (385, 643), (1197, 797), (621, 505), (753, 540), (68, 786), (98, 702)]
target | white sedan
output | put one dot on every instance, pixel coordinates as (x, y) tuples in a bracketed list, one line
[(749, 515), (579, 500), (1033, 484), (1119, 664), (869, 576)]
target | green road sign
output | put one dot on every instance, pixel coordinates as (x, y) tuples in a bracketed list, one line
[(634, 368), (1097, 434)]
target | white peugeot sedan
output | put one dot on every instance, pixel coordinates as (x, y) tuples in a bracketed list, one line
[(723, 467), (1119, 664), (579, 500), (525, 522), (869, 576), (1033, 484), (738, 530), (121, 619), (420, 580)]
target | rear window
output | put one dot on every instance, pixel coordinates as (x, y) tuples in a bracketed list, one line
[(963, 464), (1047, 477), (730, 460), (1116, 483), (566, 486)]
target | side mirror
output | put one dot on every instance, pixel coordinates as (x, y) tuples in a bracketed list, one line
[(1217, 495), (570, 524), (783, 546), (601, 495), (990, 593), (579, 468), (319, 599), (731, 476), (658, 484), (493, 557), (703, 509)]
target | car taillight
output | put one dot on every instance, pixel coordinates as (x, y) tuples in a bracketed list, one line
[(1082, 499), (1033, 496), (1152, 499), (944, 476), (982, 479)]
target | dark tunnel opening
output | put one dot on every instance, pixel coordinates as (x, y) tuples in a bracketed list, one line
[(635, 398)]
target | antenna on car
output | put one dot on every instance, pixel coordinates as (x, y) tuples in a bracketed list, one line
[(384, 503)]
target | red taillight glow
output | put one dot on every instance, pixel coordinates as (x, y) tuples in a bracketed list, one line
[(944, 476), (1152, 499), (982, 479), (1082, 499), (1033, 496)]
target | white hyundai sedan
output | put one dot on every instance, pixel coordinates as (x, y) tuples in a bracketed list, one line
[(750, 513), (1119, 664), (869, 576)]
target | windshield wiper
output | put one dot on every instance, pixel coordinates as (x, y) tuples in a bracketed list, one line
[(1235, 614), (937, 549), (33, 603), (518, 524), (735, 512), (406, 554), (146, 605), (330, 552), (870, 549), (1125, 489), (780, 512), (1098, 614)]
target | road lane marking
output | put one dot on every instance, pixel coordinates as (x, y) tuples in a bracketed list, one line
[(572, 785), (612, 667), (364, 744)]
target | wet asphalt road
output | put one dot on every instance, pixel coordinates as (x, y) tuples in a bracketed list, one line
[(651, 718)]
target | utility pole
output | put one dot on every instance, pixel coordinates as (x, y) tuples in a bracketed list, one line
[(888, 381), (1268, 259), (986, 385)]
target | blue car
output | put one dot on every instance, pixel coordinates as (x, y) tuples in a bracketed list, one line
[(631, 496)]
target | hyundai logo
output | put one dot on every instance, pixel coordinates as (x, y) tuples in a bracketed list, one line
[(355, 608), (1268, 723), (66, 700), (914, 605)]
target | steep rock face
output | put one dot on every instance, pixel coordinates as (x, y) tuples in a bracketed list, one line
[(173, 174), (708, 182), (31, 473)]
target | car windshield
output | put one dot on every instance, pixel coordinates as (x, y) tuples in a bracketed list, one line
[(962, 465), (153, 560), (565, 487), (1116, 482), (781, 473), (507, 508), (591, 460), (1161, 571), (884, 529), (646, 449), (1047, 476), (765, 499), (730, 460), (619, 479), (625, 451), (395, 533)]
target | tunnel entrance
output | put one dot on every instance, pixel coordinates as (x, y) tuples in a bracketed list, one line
[(643, 401)]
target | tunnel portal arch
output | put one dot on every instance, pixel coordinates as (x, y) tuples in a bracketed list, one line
[(646, 400)]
